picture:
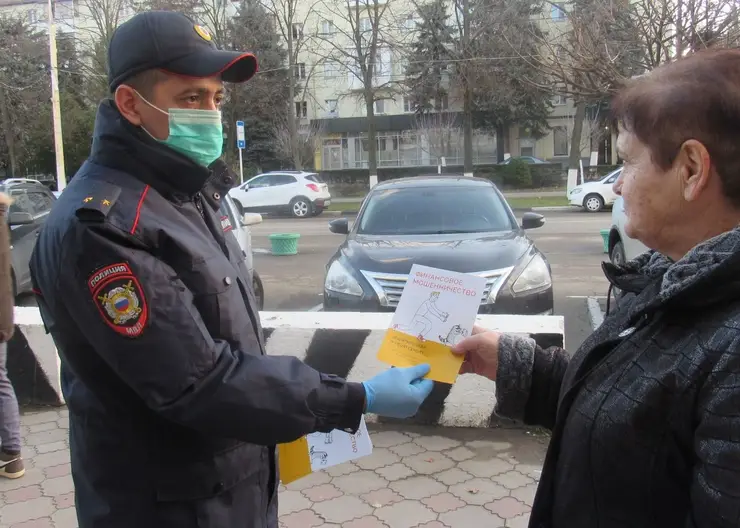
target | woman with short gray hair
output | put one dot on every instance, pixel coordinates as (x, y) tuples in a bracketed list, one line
[(645, 416)]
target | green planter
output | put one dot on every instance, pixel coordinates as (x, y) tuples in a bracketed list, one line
[(284, 243), (605, 237)]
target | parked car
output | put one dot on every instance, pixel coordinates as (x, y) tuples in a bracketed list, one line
[(526, 159), (301, 194), (232, 219), (621, 247), (449, 222), (594, 196), (32, 202)]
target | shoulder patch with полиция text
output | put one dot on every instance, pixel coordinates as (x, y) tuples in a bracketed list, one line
[(120, 299)]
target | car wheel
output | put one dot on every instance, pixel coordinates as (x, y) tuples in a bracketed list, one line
[(13, 283), (300, 207), (593, 203), (618, 258), (258, 290)]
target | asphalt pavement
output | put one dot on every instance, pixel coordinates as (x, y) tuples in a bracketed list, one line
[(569, 239)]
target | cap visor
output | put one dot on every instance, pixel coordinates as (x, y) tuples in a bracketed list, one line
[(232, 66)]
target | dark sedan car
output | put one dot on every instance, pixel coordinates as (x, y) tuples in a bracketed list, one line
[(448, 222), (32, 202)]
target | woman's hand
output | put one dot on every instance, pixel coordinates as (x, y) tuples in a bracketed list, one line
[(480, 351)]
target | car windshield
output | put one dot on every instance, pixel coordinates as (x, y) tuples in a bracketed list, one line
[(434, 211)]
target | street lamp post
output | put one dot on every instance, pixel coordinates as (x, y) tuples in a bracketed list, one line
[(55, 106)]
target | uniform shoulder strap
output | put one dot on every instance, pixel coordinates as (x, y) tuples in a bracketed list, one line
[(98, 201)]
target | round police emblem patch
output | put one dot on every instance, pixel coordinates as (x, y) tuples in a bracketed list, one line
[(203, 33), (120, 299)]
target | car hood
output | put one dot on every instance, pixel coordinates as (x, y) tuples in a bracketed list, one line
[(465, 253), (588, 185)]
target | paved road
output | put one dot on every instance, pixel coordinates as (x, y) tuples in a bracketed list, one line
[(569, 239), (432, 478)]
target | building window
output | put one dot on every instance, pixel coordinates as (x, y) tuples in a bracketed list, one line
[(380, 107), (557, 11), (33, 16), (444, 104), (297, 31), (331, 69), (558, 100), (408, 105), (560, 141), (331, 107), (410, 22), (299, 70), (365, 25), (327, 27), (301, 109)]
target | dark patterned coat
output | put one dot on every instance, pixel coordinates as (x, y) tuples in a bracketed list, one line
[(645, 416)]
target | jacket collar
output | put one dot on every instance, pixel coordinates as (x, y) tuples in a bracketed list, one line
[(120, 145), (705, 276)]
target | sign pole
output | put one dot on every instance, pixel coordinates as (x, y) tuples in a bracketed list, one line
[(241, 167), (241, 143)]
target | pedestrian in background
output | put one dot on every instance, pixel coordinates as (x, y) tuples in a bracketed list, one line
[(11, 463)]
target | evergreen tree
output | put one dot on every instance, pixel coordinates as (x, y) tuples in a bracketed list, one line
[(260, 100), (427, 73)]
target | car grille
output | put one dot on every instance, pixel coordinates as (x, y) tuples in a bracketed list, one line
[(389, 286)]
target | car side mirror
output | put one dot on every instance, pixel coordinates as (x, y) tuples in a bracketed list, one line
[(20, 218), (251, 219), (340, 226), (245, 187), (532, 221)]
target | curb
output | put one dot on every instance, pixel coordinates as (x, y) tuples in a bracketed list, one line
[(339, 213), (595, 314)]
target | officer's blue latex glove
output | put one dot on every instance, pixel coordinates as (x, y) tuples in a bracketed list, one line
[(397, 392)]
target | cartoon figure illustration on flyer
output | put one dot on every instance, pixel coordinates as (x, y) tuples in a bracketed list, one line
[(421, 323), (454, 336), (321, 456)]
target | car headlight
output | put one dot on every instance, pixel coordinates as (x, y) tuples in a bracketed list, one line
[(339, 280), (576, 191), (535, 276)]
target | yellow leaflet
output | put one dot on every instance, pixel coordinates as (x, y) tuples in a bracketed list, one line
[(294, 460), (403, 350)]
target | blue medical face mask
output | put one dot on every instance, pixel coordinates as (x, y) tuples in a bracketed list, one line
[(197, 134)]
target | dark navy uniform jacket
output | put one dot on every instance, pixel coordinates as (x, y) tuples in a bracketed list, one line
[(174, 407)]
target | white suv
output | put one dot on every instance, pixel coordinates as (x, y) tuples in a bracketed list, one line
[(301, 194), (593, 196), (621, 247)]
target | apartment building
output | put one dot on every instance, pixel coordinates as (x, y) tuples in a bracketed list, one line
[(35, 13), (332, 98)]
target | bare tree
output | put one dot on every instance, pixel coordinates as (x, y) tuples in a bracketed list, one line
[(361, 40), (439, 133), (299, 148), (291, 17)]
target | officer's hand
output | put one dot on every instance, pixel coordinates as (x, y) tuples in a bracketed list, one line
[(397, 392)]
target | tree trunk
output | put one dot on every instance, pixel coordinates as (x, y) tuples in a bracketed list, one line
[(7, 127), (500, 142), (372, 150), (575, 145), (292, 117), (467, 96)]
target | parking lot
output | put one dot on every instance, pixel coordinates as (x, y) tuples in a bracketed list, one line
[(569, 239)]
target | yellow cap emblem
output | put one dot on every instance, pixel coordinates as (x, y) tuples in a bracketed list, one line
[(203, 33)]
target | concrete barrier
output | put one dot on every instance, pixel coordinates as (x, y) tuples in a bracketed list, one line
[(344, 344)]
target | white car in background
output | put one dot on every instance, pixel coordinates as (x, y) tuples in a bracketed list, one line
[(621, 247), (233, 220), (302, 194), (595, 195)]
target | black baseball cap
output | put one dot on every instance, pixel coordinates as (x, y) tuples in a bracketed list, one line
[(170, 41)]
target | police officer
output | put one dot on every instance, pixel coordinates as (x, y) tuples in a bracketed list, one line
[(175, 409)]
